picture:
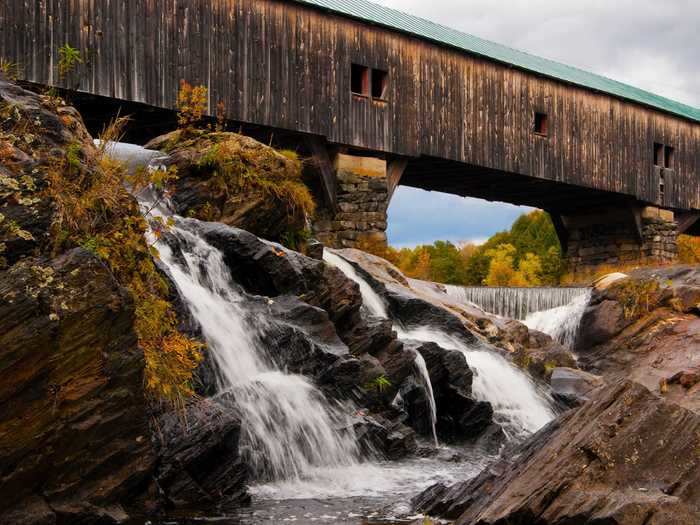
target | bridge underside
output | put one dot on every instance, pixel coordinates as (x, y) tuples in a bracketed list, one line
[(474, 181), (594, 227)]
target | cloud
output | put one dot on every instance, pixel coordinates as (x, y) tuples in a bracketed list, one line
[(649, 44), (420, 217)]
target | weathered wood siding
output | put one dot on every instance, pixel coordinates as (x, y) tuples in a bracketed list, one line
[(286, 65)]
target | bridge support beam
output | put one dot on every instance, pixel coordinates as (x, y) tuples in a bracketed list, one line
[(617, 237), (361, 201)]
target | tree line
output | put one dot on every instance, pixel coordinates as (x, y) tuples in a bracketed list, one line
[(528, 254)]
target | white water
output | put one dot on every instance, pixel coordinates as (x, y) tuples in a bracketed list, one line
[(562, 322), (300, 446), (514, 303), (370, 299), (425, 379), (289, 430), (518, 406)]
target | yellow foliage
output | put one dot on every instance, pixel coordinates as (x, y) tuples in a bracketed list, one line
[(688, 249), (94, 210), (191, 104), (501, 271), (530, 270)]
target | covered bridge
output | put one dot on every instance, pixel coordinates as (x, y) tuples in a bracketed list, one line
[(375, 93)]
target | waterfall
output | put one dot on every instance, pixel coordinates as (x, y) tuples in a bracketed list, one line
[(288, 429), (514, 303), (370, 299), (561, 322), (425, 378), (519, 408)]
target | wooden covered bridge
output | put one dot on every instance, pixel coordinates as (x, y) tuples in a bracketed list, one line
[(376, 94)]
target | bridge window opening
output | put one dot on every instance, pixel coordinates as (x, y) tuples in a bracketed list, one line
[(541, 124), (658, 154), (668, 157), (380, 84), (359, 80), (662, 185)]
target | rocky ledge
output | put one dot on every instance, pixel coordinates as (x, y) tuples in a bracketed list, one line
[(629, 453)]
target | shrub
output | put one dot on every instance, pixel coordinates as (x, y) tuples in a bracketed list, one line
[(637, 296), (68, 59), (192, 105), (94, 210)]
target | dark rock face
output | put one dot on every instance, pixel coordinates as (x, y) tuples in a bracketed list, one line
[(572, 386), (199, 461), (74, 424), (459, 416), (212, 168), (623, 457)]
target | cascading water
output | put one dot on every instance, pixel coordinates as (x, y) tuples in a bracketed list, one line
[(288, 428), (370, 299), (519, 408), (289, 431), (514, 303), (425, 378), (375, 305), (561, 322)]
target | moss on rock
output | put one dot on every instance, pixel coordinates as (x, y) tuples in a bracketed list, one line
[(234, 179)]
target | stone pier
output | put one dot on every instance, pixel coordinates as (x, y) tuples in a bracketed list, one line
[(618, 238), (362, 199)]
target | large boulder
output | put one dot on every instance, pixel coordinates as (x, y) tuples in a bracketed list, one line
[(236, 180), (646, 327), (628, 456), (75, 438)]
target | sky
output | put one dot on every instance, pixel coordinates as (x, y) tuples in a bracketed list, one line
[(649, 44)]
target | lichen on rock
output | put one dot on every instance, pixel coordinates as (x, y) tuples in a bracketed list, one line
[(234, 179)]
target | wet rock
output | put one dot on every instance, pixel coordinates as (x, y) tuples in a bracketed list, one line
[(572, 386), (268, 269), (459, 415), (199, 460), (385, 436), (601, 321), (236, 180), (74, 423), (614, 460)]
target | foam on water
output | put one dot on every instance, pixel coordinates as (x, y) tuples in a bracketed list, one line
[(562, 322)]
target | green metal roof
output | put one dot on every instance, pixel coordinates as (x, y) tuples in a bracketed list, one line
[(391, 18)]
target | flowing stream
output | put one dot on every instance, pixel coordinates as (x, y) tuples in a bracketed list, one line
[(519, 408), (301, 448), (561, 322)]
